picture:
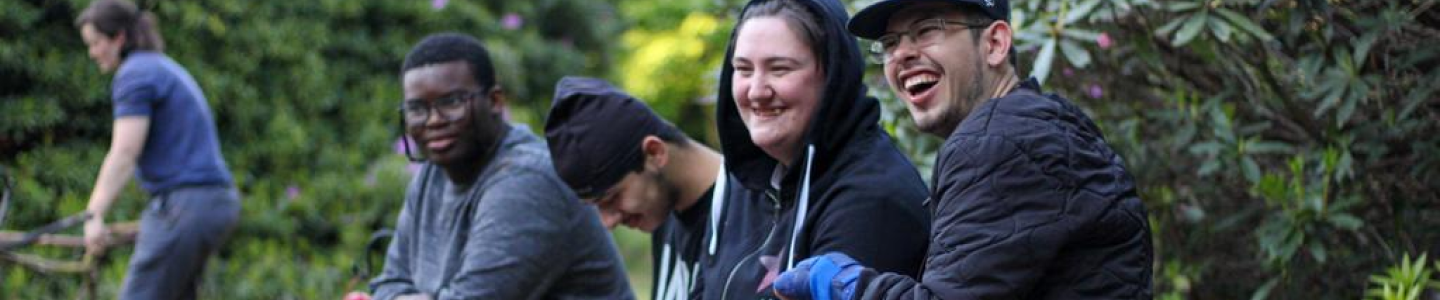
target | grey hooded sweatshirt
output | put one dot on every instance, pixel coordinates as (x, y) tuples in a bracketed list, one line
[(517, 232)]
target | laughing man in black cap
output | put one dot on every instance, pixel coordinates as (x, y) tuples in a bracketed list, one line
[(640, 170), (1029, 201)]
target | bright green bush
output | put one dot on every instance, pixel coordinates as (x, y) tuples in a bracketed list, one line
[(1405, 281)]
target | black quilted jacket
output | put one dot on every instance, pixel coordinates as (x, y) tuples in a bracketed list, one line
[(1029, 203)]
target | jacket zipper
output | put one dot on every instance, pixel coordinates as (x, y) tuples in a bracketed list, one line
[(725, 291)]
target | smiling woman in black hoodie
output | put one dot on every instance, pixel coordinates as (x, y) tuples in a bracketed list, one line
[(801, 136)]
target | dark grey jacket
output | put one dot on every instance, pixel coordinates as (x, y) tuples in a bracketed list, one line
[(517, 232), (1029, 203)]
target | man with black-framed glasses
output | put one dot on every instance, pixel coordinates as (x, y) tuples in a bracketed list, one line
[(486, 217), (1029, 202)]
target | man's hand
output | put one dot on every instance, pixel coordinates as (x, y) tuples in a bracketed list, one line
[(97, 236), (357, 295), (832, 276)]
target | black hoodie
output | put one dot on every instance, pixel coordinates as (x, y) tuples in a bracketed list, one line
[(864, 197)]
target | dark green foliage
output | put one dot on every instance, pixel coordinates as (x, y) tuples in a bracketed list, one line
[(1285, 149), (305, 96)]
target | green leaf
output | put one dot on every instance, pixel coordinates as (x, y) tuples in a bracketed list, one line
[(1263, 292), (1183, 6), (1250, 168), (1206, 148), (1078, 56), (1080, 11), (1317, 251), (1082, 35), (1331, 99), (1222, 127), (1345, 221), (1221, 31), (1345, 168), (1310, 66), (1043, 61), (1342, 115), (1208, 167), (1190, 30), (1170, 26), (1362, 47), (1343, 58), (1419, 95), (1319, 90), (1269, 147), (1244, 23), (1254, 129), (1315, 202), (1272, 188)]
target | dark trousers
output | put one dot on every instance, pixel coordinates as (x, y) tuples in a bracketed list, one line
[(179, 230)]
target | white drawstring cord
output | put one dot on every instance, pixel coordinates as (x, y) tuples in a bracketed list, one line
[(804, 205), (717, 206)]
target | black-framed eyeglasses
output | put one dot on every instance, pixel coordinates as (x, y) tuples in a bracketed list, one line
[(452, 107), (415, 112), (922, 33)]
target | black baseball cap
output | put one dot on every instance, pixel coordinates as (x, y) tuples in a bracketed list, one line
[(870, 22)]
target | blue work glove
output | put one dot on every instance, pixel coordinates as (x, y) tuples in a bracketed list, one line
[(832, 276)]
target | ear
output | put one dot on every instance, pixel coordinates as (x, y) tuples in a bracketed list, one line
[(657, 153), (118, 40), (998, 40), (497, 100)]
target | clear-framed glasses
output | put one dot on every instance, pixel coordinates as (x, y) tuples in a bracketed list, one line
[(452, 107), (922, 33)]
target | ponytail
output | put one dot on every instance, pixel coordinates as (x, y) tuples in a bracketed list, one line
[(115, 17)]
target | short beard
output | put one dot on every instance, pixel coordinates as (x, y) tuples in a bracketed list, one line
[(667, 190), (950, 119)]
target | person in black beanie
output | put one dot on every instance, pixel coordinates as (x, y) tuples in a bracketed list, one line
[(640, 171)]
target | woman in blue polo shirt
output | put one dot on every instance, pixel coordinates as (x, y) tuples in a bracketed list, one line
[(165, 135)]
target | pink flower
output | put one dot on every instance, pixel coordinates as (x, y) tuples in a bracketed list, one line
[(1104, 41), (512, 21), (292, 192), (414, 167), (1096, 91), (400, 145), (1068, 72), (438, 4)]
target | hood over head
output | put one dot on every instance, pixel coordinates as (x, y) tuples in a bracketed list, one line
[(845, 110)]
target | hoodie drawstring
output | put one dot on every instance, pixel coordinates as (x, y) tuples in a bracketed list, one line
[(804, 205), (717, 206)]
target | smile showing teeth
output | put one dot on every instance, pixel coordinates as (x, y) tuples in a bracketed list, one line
[(769, 112), (918, 83)]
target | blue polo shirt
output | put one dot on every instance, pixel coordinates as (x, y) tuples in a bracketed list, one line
[(182, 147)]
